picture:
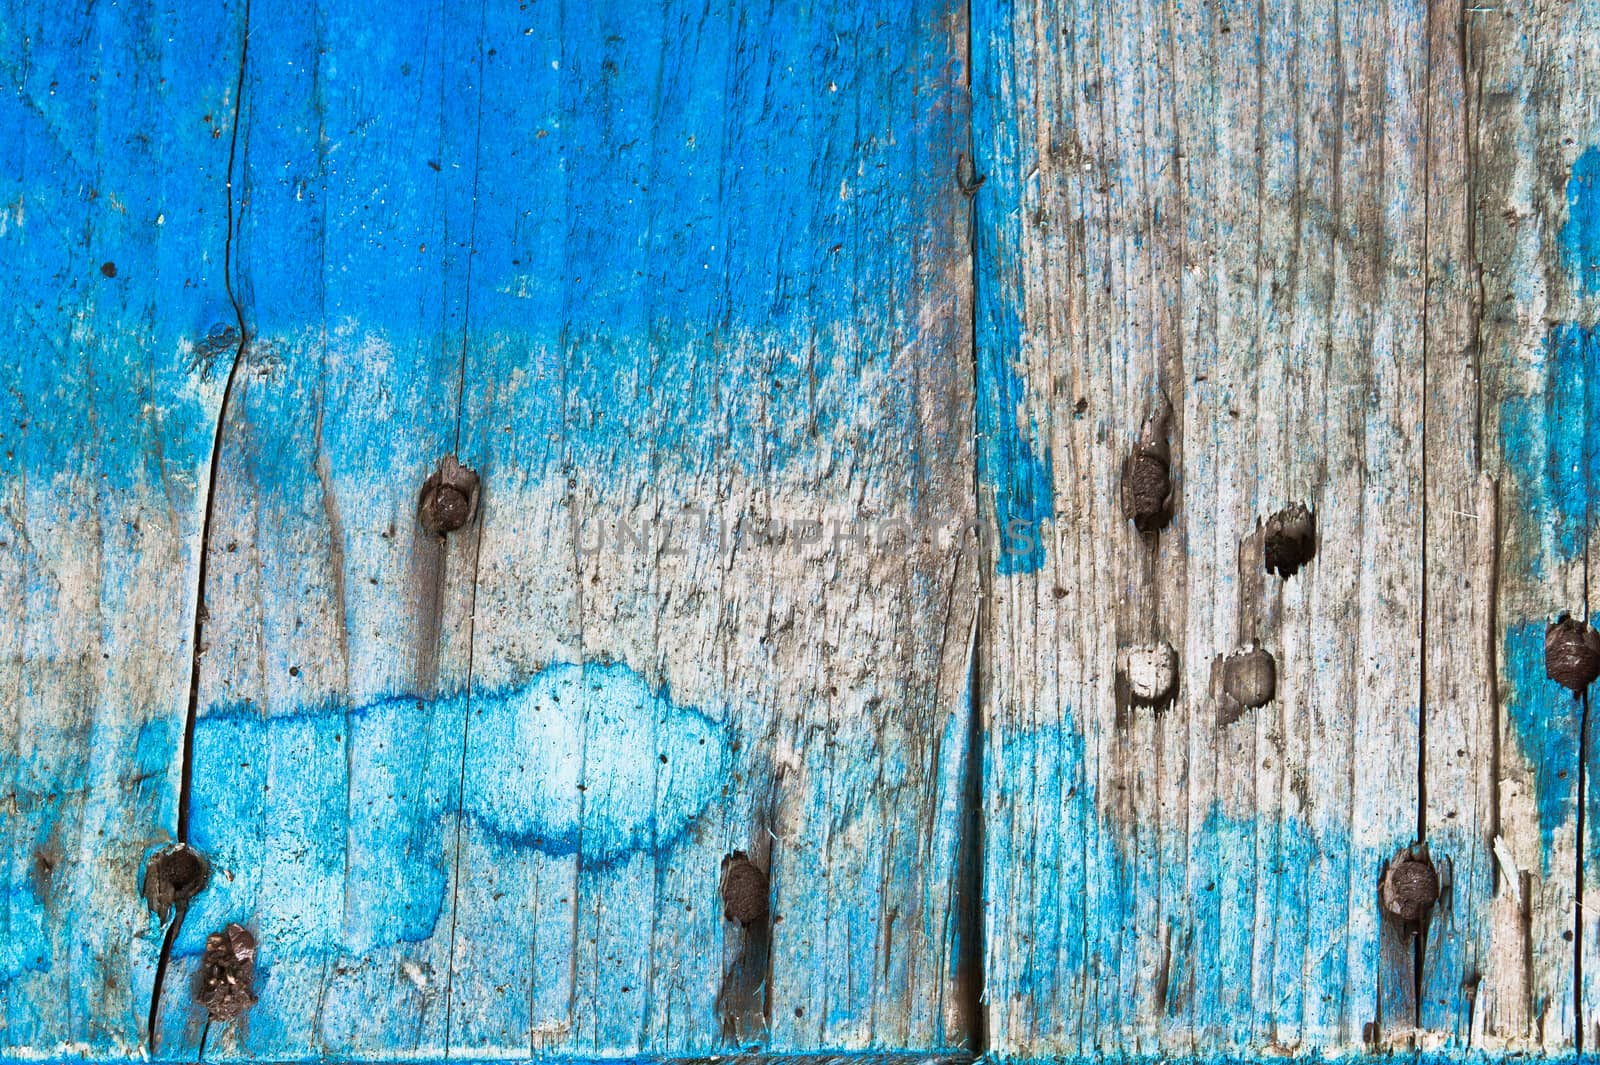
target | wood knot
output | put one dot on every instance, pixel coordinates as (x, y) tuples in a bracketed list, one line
[(1147, 473), (744, 890), (1410, 886), (227, 973), (173, 877), (1571, 653), (1249, 681), (1149, 674), (1291, 539), (449, 498)]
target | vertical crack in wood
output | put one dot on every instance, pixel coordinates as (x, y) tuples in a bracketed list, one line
[(186, 778), (971, 949)]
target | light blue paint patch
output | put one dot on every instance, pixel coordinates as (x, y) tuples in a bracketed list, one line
[(1547, 720), (1551, 445), (565, 763), (570, 761), (1580, 234)]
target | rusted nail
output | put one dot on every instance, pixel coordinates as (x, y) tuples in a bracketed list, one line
[(1571, 653), (449, 498), (744, 889), (174, 876), (1249, 681), (227, 973), (1147, 473), (1410, 885), (1291, 539), (1150, 673)]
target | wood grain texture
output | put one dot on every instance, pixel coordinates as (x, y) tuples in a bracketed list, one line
[(746, 318), (1537, 123), (649, 273), (113, 219), (1224, 205)]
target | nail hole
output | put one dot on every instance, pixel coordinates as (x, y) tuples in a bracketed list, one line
[(1291, 539)]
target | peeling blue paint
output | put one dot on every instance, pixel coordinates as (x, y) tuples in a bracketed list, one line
[(1547, 720), (1075, 915), (1551, 447), (1580, 233), (1014, 468)]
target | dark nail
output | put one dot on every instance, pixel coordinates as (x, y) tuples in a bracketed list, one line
[(173, 877), (1410, 885), (1147, 473), (1150, 673), (449, 498), (1249, 681), (1571, 653), (744, 889), (1291, 539), (227, 973)]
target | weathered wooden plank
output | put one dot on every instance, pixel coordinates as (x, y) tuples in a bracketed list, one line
[(733, 304), (488, 787), (113, 219), (1535, 105), (1224, 205), (327, 747)]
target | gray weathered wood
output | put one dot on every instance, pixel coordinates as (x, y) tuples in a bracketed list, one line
[(1225, 205)]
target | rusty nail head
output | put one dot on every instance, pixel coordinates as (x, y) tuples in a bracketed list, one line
[(744, 889), (173, 877), (1572, 653), (227, 973), (449, 498), (1147, 473), (1410, 886), (1250, 677)]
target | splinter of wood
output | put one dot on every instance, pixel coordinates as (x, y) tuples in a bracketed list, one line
[(1410, 885), (1147, 472), (449, 498), (744, 889), (1572, 653), (1291, 539), (227, 973)]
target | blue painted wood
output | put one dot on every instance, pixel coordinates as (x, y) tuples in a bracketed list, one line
[(115, 327), (473, 798)]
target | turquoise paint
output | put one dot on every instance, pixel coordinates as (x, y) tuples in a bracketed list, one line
[(1580, 233), (1014, 469), (1098, 873), (1551, 448), (1547, 720)]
